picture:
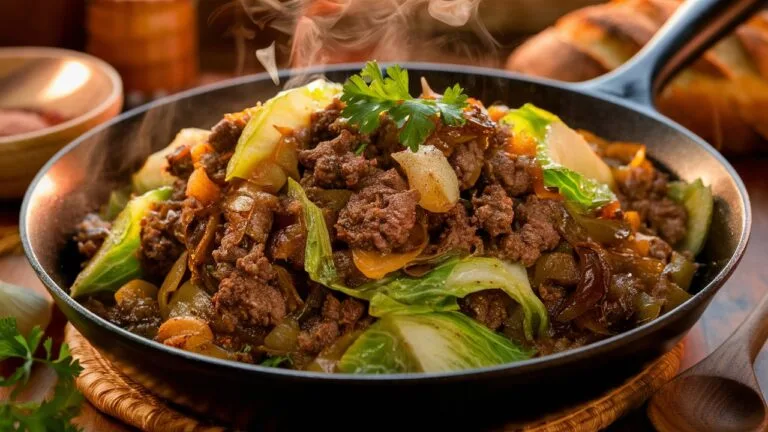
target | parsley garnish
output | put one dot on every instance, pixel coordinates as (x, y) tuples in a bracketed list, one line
[(370, 94), (53, 415), (276, 361)]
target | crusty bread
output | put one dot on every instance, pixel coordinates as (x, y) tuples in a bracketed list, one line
[(723, 97)]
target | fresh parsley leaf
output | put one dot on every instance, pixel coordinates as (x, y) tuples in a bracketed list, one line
[(370, 95), (54, 414), (276, 361)]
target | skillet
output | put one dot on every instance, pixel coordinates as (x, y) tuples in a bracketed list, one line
[(616, 106)]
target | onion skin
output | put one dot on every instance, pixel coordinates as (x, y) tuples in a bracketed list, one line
[(171, 284), (593, 284), (432, 176)]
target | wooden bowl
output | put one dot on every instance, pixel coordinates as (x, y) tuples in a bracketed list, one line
[(80, 89)]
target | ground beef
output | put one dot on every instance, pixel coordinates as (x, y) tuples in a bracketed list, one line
[(334, 162), (248, 297), (646, 193), (159, 246), (137, 315), (352, 311), (467, 161), (249, 215), (379, 217), (90, 234), (487, 307), (618, 304), (215, 165), (316, 334), (553, 297), (180, 162), (527, 244), (320, 123), (384, 142), (320, 331), (225, 133), (494, 211), (347, 270), (659, 249), (537, 232), (668, 219), (511, 172), (545, 210), (452, 231), (335, 318), (288, 243)]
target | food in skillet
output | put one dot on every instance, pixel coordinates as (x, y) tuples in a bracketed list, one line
[(358, 229)]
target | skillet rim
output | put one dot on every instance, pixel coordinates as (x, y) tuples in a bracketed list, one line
[(514, 368)]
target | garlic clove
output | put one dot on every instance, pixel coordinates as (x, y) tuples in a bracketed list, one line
[(28, 307)]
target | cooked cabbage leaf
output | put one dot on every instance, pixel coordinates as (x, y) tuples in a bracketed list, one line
[(289, 109), (698, 202), (154, 173), (318, 258), (428, 342), (567, 161), (437, 290), (117, 261)]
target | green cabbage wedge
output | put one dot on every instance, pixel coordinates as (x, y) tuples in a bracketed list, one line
[(117, 261), (428, 342), (567, 161)]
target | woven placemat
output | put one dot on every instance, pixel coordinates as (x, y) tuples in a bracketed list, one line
[(113, 393)]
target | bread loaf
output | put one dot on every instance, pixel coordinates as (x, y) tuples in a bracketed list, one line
[(722, 97)]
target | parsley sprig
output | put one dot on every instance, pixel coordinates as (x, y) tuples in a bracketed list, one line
[(370, 94), (54, 414)]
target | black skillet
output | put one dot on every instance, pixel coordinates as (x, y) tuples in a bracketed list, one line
[(616, 106)]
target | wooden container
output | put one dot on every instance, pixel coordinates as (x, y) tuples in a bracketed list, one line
[(152, 43)]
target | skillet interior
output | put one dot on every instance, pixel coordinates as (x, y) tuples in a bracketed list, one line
[(80, 177)]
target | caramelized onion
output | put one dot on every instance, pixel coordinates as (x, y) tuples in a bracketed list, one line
[(335, 199), (646, 308), (593, 284), (329, 357), (171, 283), (591, 322), (184, 332), (284, 337), (432, 176), (558, 267), (201, 251), (190, 300), (190, 334), (284, 280), (680, 270), (603, 231), (135, 289), (375, 265)]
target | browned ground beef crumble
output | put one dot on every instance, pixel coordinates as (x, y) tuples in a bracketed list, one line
[(240, 245)]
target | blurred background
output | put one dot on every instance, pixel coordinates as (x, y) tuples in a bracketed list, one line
[(160, 47)]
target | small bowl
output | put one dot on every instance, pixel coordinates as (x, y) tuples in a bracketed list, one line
[(78, 88)]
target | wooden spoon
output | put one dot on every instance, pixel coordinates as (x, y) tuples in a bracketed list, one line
[(721, 392)]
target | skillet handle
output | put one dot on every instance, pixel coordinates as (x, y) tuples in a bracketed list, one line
[(694, 27)]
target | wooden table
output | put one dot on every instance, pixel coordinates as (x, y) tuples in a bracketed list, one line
[(729, 307)]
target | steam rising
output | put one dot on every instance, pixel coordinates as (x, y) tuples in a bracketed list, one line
[(323, 32)]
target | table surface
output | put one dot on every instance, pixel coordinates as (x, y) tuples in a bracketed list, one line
[(727, 310)]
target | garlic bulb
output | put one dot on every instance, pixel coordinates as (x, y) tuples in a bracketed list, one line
[(28, 307)]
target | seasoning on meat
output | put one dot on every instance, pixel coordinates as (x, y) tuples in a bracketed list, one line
[(494, 211), (90, 234), (379, 217), (334, 163), (257, 260), (511, 172)]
